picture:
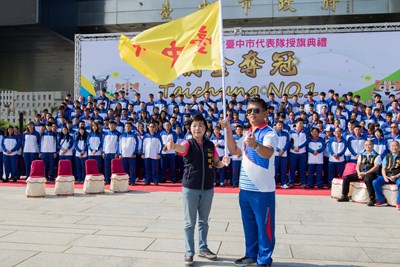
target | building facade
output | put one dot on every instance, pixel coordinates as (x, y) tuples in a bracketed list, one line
[(12, 103)]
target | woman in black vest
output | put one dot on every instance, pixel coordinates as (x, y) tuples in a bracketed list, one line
[(199, 157)]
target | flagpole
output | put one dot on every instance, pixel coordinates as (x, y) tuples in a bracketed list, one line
[(223, 70)]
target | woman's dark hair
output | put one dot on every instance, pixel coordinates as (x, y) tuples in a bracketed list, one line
[(198, 117), (84, 135), (98, 128), (62, 135), (6, 132)]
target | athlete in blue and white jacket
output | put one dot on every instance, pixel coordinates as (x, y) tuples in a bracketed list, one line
[(315, 149), (281, 155), (30, 144), (10, 145), (80, 148), (48, 151), (336, 147), (298, 155), (110, 149), (168, 156), (128, 147), (94, 144), (355, 143), (151, 154)]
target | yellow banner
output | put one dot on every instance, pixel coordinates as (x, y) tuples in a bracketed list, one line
[(164, 52)]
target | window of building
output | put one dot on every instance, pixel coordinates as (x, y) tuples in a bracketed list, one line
[(49, 97), (23, 97), (44, 97), (38, 97), (28, 97), (17, 97)]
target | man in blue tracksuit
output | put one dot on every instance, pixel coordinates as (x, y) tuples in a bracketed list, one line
[(298, 155), (110, 149), (257, 185), (151, 153), (337, 146), (48, 151), (281, 155), (168, 156), (128, 150)]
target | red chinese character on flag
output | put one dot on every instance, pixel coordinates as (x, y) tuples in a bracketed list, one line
[(202, 41), (173, 52), (138, 49)]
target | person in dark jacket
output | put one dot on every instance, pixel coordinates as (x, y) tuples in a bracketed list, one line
[(199, 157)]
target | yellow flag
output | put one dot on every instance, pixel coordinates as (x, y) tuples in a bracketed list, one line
[(164, 52)]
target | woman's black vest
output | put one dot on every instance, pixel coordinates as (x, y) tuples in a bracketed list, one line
[(199, 172)]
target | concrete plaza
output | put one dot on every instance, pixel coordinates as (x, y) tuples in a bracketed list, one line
[(143, 228)]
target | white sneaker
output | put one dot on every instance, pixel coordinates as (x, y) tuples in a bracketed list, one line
[(285, 186)]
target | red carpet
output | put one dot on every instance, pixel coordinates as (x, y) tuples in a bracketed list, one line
[(169, 187)]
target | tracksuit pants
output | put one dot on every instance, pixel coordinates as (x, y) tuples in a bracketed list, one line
[(107, 167), (236, 165), (168, 161), (10, 165), (129, 167), (80, 169), (281, 169), (335, 170), (258, 218), (317, 169), (298, 162), (151, 166), (48, 159), (221, 174)]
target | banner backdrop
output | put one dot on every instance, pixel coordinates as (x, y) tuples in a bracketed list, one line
[(363, 63)]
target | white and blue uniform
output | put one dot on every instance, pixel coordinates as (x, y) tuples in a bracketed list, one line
[(257, 197), (336, 166), (298, 160), (281, 161), (356, 146), (220, 141), (168, 156), (94, 144), (10, 143), (151, 152), (315, 162), (381, 146), (65, 143), (80, 148), (47, 149), (110, 150), (128, 147), (30, 144)]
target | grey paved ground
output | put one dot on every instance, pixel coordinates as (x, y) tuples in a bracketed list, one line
[(145, 229)]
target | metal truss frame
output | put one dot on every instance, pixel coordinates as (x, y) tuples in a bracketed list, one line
[(239, 31)]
